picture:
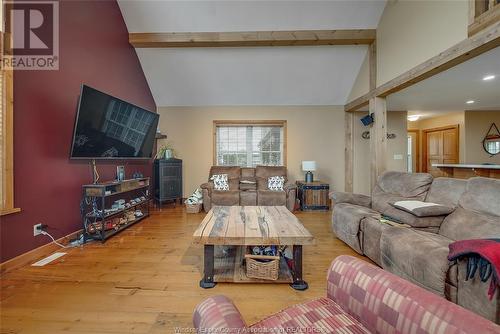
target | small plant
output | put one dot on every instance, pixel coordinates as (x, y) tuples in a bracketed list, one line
[(163, 149)]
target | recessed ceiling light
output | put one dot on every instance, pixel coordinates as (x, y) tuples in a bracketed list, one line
[(470, 102), (488, 77), (413, 118)]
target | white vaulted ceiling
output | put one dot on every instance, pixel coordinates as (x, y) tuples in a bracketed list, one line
[(319, 75)]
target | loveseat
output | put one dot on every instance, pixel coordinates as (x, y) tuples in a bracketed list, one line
[(248, 186), (419, 251), (360, 298)]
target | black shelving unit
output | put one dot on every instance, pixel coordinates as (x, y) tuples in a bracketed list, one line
[(99, 222), (168, 180)]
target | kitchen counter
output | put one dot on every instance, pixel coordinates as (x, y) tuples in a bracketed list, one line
[(467, 166), (465, 171)]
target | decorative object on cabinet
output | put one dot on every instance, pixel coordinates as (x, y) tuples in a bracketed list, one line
[(309, 167)]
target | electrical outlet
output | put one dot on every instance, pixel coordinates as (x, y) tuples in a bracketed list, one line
[(37, 229)]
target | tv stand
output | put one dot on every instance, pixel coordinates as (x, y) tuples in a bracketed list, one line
[(100, 220)]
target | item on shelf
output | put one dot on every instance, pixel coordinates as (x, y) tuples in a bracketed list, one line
[(265, 250), (137, 175), (138, 213), (120, 173), (127, 205)]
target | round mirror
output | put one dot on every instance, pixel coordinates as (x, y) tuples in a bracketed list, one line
[(491, 144)]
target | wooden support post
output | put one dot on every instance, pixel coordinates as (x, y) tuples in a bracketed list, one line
[(349, 151), (378, 138), (372, 58)]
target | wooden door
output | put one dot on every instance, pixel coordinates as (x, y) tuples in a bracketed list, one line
[(441, 146)]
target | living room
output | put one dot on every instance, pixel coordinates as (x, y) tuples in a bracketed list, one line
[(317, 117)]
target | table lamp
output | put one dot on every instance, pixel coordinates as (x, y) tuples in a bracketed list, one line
[(309, 167)]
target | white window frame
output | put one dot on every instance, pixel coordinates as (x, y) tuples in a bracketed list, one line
[(251, 123)]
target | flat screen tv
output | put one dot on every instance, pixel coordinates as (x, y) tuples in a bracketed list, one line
[(107, 127)]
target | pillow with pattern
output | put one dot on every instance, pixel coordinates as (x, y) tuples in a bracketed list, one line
[(220, 182), (276, 183)]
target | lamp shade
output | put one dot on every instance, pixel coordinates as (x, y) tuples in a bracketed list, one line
[(308, 166)]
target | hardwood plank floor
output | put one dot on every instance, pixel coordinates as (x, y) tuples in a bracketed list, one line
[(145, 280)]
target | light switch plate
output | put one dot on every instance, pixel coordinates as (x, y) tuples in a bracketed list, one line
[(398, 157)]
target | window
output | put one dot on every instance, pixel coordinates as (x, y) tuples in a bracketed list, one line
[(249, 143)]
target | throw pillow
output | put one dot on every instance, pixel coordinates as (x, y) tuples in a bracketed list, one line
[(423, 209), (276, 183), (220, 182)]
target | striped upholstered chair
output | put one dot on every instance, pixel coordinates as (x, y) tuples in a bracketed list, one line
[(361, 298)]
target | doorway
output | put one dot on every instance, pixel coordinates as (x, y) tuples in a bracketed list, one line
[(413, 157), (440, 146)]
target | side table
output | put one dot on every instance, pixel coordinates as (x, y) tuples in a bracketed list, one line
[(313, 196)]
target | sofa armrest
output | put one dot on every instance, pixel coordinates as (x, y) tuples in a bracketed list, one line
[(351, 198), (218, 314), (289, 187), (207, 185), (361, 288)]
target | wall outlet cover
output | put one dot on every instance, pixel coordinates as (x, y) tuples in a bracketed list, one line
[(37, 229)]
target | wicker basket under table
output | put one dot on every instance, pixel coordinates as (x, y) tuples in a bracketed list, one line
[(268, 270)]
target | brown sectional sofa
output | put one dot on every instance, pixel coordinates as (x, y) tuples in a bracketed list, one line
[(419, 253), (248, 194)]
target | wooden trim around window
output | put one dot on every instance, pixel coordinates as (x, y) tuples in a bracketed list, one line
[(7, 163), (216, 123)]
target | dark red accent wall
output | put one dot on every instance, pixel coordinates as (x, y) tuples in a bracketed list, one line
[(94, 50)]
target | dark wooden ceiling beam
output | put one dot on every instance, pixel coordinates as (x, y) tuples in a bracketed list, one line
[(469, 48), (252, 38)]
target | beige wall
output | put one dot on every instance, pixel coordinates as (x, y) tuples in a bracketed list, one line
[(362, 83), (452, 118), (396, 123), (314, 133), (410, 32), (477, 125)]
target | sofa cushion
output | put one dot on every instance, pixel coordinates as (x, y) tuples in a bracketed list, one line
[(220, 182), (321, 315), (346, 221), (372, 230), (271, 197), (276, 183), (225, 198), (233, 172), (446, 191), (478, 214), (482, 195), (247, 172), (423, 209), (248, 197), (420, 257), (465, 224), (262, 173), (405, 185)]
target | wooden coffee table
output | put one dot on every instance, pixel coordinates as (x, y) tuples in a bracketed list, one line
[(240, 226)]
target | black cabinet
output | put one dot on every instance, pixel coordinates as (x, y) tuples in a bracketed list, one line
[(168, 180)]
